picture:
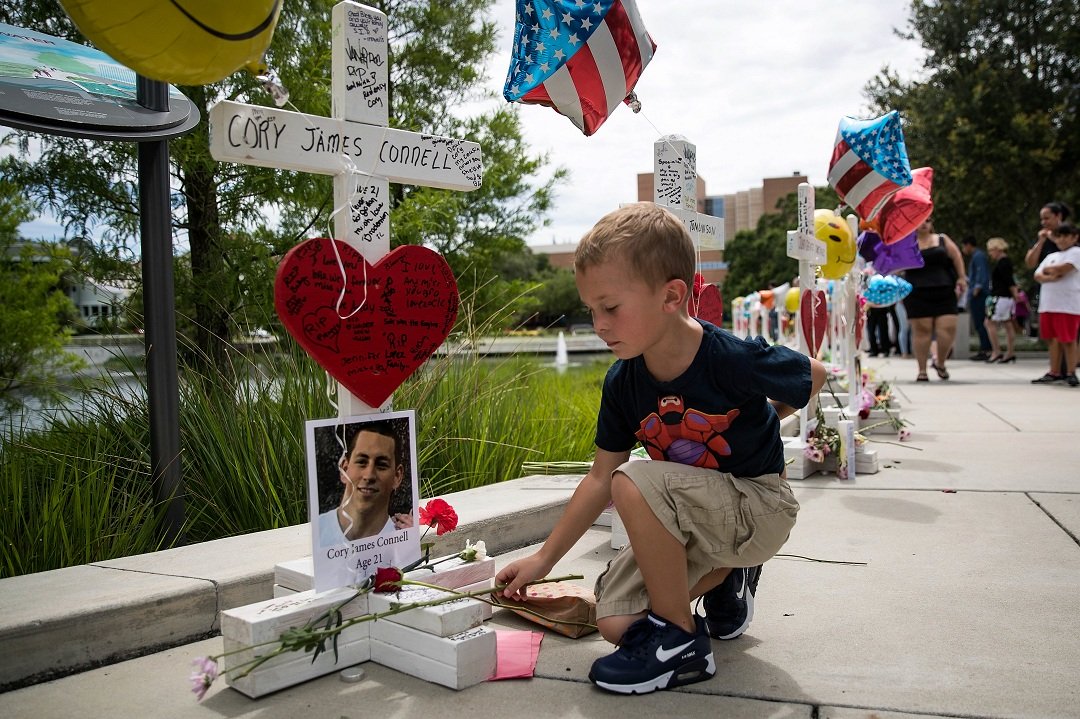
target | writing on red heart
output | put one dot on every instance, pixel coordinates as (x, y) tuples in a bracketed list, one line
[(710, 305), (814, 318), (373, 325)]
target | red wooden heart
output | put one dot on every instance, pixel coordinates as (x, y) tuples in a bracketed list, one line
[(814, 317), (710, 305), (392, 316), (860, 323)]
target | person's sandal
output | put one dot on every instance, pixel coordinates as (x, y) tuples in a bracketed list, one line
[(922, 377), (941, 372)]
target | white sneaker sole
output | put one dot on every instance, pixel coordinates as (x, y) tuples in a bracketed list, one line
[(676, 678)]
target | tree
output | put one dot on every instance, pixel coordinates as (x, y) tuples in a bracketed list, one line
[(33, 308), (757, 257), (437, 51), (995, 114)]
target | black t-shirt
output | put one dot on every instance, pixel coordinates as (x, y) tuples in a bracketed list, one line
[(716, 414)]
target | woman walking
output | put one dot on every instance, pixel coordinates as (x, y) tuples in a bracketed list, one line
[(931, 306), (1001, 303)]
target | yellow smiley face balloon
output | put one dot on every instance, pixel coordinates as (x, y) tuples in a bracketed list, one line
[(186, 42), (839, 243)]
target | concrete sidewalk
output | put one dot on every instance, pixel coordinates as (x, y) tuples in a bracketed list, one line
[(962, 599)]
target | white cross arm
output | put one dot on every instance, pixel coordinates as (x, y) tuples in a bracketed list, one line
[(807, 247), (269, 137), (705, 230)]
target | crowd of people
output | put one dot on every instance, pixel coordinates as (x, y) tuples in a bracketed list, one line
[(986, 286)]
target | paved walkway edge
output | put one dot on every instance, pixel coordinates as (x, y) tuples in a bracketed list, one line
[(69, 620)]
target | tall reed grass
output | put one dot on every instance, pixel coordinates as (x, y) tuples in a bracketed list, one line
[(80, 490)]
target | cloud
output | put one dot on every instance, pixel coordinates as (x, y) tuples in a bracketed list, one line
[(758, 87)]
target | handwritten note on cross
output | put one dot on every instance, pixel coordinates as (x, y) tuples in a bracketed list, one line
[(675, 187), (805, 247), (355, 145)]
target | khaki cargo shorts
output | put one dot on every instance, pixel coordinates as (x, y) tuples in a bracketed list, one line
[(722, 520)]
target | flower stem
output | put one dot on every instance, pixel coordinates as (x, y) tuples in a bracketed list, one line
[(312, 637)]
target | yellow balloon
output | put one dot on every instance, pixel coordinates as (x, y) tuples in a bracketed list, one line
[(839, 243), (186, 42), (791, 302)]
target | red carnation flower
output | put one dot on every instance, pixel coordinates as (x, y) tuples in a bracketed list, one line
[(437, 513), (388, 579)]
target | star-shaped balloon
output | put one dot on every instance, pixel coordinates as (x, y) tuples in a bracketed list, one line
[(869, 162), (580, 58)]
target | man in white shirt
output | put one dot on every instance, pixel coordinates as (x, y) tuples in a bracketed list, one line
[(370, 471)]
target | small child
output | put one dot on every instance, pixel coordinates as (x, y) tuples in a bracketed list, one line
[(1059, 304), (712, 504)]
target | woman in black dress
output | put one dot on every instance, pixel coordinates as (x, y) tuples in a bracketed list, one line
[(931, 306)]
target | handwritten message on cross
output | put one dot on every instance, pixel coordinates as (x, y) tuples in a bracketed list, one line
[(805, 247), (675, 187), (355, 144)]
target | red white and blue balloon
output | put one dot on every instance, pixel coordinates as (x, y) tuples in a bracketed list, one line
[(869, 162), (886, 290), (580, 58)]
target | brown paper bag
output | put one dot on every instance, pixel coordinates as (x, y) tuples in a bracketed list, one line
[(558, 603)]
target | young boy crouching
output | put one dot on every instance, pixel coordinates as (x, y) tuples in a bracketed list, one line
[(707, 407)]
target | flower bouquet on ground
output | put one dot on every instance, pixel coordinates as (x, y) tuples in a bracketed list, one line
[(321, 624)]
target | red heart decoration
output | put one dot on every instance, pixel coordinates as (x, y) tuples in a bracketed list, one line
[(710, 305), (814, 317), (860, 323), (390, 319)]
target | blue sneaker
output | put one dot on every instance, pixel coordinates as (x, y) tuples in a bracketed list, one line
[(655, 654), (729, 607)]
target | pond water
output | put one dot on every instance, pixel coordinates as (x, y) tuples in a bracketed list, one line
[(119, 389)]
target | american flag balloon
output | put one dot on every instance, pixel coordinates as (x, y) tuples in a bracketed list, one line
[(869, 162), (580, 58)]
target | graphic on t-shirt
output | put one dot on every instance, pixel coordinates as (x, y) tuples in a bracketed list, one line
[(687, 436)]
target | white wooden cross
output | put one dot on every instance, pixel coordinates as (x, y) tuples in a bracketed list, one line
[(675, 187), (805, 247), (355, 145)]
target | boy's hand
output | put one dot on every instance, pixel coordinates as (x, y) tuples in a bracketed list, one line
[(517, 574)]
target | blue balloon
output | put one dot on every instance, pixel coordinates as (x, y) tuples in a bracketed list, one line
[(886, 290)]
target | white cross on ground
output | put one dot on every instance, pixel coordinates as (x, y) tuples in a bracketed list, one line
[(355, 145)]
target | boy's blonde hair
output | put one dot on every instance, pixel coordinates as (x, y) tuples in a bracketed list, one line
[(997, 243), (652, 240)]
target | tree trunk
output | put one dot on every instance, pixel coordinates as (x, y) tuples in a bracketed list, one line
[(211, 302)]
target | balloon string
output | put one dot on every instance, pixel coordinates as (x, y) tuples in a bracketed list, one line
[(344, 280), (350, 169), (349, 490)]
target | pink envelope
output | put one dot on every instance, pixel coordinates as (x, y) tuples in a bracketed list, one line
[(516, 653)]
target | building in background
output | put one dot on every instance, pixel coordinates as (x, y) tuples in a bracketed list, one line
[(741, 211), (745, 207)]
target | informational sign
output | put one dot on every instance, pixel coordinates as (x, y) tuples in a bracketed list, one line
[(363, 495), (369, 325), (52, 85)]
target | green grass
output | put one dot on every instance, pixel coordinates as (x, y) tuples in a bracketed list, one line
[(80, 491)]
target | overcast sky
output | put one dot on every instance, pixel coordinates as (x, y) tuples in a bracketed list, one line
[(758, 87)]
